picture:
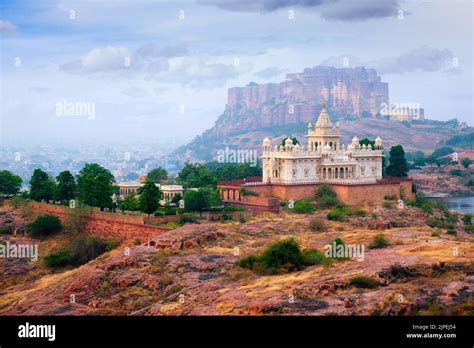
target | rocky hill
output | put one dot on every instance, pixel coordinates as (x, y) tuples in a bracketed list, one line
[(353, 96), (418, 273)]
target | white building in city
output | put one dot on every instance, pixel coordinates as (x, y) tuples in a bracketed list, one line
[(323, 160)]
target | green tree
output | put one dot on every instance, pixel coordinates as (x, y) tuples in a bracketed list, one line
[(195, 175), (41, 186), (157, 174), (149, 199), (294, 140), (45, 225), (66, 187), (176, 198), (199, 200), (10, 183), (130, 203), (440, 152), (231, 171), (95, 185), (466, 162), (398, 166), (443, 161), (366, 142)]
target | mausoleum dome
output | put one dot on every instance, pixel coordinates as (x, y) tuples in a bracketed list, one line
[(355, 141), (266, 141), (288, 142)]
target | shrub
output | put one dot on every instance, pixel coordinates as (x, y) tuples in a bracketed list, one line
[(57, 259), (456, 172), (324, 191), (434, 221), (435, 233), (469, 228), (317, 225), (338, 213), (303, 206), (379, 242), (137, 242), (338, 241), (110, 244), (313, 257), (326, 197), (248, 262), (45, 225), (284, 255), (282, 203), (373, 216), (363, 282), (452, 232), (387, 204), (85, 248), (467, 219), (5, 230), (225, 217)]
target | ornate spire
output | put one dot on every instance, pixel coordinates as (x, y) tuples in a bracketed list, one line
[(323, 120)]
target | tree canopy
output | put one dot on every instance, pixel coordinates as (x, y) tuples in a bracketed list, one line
[(157, 174), (66, 187), (198, 201), (195, 175), (41, 186), (149, 199), (95, 185), (10, 183), (398, 165)]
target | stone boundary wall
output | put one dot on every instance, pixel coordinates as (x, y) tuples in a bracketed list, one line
[(349, 194), (103, 224)]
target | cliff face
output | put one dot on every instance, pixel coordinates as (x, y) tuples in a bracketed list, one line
[(345, 91)]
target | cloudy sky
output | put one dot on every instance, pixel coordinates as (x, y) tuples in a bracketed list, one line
[(148, 70)]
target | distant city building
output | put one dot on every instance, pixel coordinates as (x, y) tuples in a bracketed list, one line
[(167, 191)]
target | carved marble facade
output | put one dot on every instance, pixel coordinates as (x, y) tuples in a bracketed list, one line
[(324, 159)]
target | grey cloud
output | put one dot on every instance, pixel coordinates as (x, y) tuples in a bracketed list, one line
[(360, 10), (341, 60), (149, 58), (135, 92), (153, 51), (7, 27), (333, 10), (421, 59), (199, 74), (270, 72)]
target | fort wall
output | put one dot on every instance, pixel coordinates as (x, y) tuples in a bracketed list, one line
[(103, 224)]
